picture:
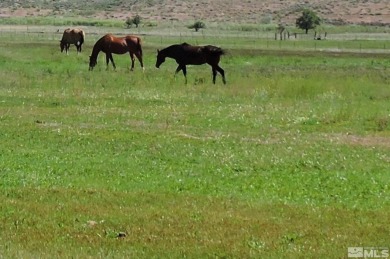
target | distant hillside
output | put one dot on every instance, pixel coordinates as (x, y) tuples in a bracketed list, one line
[(373, 12)]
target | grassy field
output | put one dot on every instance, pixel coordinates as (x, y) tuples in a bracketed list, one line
[(288, 160)]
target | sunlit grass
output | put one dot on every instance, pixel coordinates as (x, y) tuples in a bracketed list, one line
[(289, 159), (87, 223)]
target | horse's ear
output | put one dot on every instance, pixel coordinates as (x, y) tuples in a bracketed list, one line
[(158, 51)]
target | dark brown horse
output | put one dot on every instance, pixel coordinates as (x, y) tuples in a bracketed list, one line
[(110, 44), (186, 54), (72, 36)]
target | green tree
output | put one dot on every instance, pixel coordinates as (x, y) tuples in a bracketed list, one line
[(308, 20), (129, 22), (136, 20), (197, 25)]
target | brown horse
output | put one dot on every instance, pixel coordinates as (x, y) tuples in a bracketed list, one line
[(110, 44), (72, 36), (186, 54)]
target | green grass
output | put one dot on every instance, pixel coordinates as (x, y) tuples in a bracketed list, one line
[(289, 159)]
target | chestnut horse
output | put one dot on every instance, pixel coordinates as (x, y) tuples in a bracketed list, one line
[(110, 44), (72, 36), (186, 54)]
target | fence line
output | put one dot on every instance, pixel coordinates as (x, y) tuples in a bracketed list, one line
[(232, 40)]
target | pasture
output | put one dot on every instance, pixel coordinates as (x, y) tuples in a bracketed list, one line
[(289, 159)]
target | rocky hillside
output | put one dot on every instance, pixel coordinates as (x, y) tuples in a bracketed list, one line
[(375, 12)]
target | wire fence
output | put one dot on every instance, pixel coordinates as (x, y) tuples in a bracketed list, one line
[(347, 42)]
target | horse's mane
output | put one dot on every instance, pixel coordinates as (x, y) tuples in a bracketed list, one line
[(173, 48)]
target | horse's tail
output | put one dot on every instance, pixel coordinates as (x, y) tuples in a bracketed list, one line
[(221, 51), (139, 46), (82, 37)]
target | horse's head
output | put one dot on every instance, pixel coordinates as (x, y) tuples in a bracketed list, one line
[(62, 45), (92, 62), (160, 58)]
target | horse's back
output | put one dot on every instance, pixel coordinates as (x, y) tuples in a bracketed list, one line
[(77, 31), (213, 50), (73, 35), (133, 40), (207, 49), (120, 45), (110, 38)]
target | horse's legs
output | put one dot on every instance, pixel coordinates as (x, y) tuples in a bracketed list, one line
[(216, 69), (222, 72), (178, 69), (108, 58), (112, 61), (139, 57), (67, 46), (78, 46), (132, 61), (184, 69), (214, 74)]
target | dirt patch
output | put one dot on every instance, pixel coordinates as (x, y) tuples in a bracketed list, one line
[(367, 141), (238, 11)]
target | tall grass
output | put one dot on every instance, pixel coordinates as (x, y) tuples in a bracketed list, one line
[(289, 159)]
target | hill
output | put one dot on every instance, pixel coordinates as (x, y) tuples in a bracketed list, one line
[(239, 11)]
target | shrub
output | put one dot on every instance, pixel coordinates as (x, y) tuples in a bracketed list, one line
[(197, 25)]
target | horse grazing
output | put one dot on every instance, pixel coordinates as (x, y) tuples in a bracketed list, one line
[(110, 44), (186, 54), (72, 36)]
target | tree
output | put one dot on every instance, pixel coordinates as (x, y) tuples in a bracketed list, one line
[(129, 22), (197, 25), (136, 20), (280, 29), (308, 20)]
